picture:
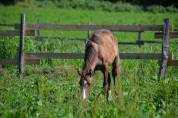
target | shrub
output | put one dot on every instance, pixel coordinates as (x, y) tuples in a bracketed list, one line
[(171, 9), (120, 6), (105, 5), (156, 9)]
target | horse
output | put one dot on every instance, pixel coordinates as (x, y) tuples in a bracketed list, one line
[(101, 51)]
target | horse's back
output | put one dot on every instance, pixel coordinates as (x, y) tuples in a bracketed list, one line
[(106, 44)]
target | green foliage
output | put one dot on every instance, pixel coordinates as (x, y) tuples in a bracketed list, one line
[(104, 5), (52, 90), (9, 47), (98, 5), (111, 7), (162, 9)]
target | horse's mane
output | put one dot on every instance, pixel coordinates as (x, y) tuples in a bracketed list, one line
[(90, 55)]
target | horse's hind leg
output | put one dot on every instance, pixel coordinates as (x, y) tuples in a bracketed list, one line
[(115, 72), (109, 95)]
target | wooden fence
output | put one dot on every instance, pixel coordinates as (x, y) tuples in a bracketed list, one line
[(162, 31)]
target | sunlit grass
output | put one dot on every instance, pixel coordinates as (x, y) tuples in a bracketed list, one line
[(52, 90)]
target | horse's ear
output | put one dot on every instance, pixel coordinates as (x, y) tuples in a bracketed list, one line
[(79, 72)]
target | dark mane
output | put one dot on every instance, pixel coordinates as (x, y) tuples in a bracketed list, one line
[(90, 55)]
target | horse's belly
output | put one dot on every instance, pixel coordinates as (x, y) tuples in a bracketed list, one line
[(106, 59)]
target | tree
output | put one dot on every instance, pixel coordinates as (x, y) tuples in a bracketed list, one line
[(8, 2)]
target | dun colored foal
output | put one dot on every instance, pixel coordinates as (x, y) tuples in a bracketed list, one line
[(101, 51)]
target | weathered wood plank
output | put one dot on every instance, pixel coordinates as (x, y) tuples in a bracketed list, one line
[(15, 61), (140, 56), (52, 38), (16, 33), (34, 58), (173, 63), (8, 25), (171, 35), (30, 33), (120, 42), (127, 43), (122, 28), (40, 38), (8, 61), (144, 41), (31, 59), (48, 55), (9, 33)]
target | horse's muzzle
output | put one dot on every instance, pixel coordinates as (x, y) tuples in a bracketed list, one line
[(84, 93)]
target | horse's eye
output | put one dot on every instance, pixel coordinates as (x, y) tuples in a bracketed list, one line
[(88, 74), (88, 83)]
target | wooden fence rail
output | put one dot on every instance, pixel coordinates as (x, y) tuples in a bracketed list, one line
[(8, 61), (23, 29), (171, 35), (8, 25), (16, 33), (172, 63), (16, 62), (47, 55), (121, 28)]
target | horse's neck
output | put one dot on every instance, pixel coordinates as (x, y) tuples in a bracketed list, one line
[(90, 60)]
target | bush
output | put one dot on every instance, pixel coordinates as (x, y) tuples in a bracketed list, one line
[(171, 9), (120, 6), (8, 2), (156, 9), (98, 5)]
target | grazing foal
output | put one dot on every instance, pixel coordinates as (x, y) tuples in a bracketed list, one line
[(101, 51)]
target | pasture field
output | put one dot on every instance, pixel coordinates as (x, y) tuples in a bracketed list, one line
[(51, 89)]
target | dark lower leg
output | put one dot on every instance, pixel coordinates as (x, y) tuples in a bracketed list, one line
[(114, 74), (109, 86), (109, 81), (106, 84)]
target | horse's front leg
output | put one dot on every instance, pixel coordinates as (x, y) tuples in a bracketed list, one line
[(106, 84)]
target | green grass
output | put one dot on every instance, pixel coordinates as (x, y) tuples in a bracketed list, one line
[(52, 90)]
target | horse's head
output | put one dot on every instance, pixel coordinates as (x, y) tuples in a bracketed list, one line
[(85, 82)]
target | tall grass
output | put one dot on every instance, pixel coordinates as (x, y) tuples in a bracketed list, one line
[(52, 90)]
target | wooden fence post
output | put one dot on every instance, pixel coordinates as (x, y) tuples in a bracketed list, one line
[(140, 41), (89, 31), (165, 49), (21, 46), (37, 32)]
